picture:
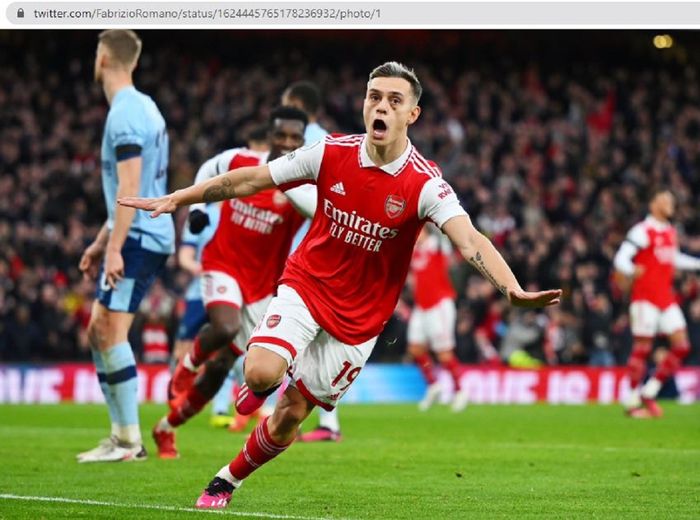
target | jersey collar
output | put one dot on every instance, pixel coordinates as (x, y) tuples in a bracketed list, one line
[(657, 224), (394, 168)]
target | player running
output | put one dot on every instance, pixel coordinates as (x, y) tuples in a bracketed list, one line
[(375, 192), (432, 322), (649, 256), (131, 248), (240, 267)]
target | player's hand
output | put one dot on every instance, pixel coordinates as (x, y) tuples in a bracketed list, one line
[(114, 267), (90, 261), (528, 299), (157, 206), (198, 220), (638, 271)]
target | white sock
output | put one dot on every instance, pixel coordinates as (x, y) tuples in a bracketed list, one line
[(187, 362), (130, 433), (329, 420), (225, 474), (164, 425), (634, 399), (116, 430), (651, 388)]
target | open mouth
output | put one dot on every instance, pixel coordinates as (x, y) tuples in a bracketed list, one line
[(379, 129)]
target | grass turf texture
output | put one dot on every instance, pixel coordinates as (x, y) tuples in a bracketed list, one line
[(394, 462)]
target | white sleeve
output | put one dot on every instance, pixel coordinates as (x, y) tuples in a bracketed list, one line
[(304, 198), (638, 236), (302, 164), (624, 258), (438, 202), (686, 262), (210, 169)]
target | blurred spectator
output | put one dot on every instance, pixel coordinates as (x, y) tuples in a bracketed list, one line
[(523, 343), (597, 325)]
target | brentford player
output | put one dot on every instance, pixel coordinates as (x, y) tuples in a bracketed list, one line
[(649, 256), (339, 288), (432, 322), (129, 250), (240, 267)]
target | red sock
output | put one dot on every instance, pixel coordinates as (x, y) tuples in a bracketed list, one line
[(425, 363), (198, 356), (637, 363), (672, 361), (258, 449), (454, 367), (191, 406)]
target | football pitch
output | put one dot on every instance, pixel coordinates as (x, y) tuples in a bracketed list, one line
[(393, 462)]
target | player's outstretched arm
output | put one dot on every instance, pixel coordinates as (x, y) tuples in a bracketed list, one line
[(237, 183), (481, 253)]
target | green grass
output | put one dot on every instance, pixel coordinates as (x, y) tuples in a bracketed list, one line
[(394, 462)]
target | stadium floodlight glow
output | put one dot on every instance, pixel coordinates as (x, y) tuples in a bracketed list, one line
[(663, 41)]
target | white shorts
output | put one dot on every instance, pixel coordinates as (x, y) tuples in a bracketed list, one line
[(647, 320), (219, 288), (434, 326), (322, 368), (222, 289)]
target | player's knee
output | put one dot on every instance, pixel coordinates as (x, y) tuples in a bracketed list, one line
[(225, 331), (681, 349), (259, 377), (97, 332), (445, 357), (416, 350), (641, 349)]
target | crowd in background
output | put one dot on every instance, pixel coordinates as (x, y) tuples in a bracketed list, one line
[(552, 157)]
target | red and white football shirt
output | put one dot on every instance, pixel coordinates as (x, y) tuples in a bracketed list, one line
[(255, 233), (657, 247), (351, 266), (429, 266)]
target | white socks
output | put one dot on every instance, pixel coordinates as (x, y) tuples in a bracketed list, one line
[(329, 420), (225, 474), (164, 425), (651, 388), (130, 433), (187, 361)]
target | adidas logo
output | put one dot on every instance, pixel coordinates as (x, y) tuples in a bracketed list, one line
[(338, 188)]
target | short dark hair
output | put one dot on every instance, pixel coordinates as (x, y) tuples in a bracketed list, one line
[(394, 69), (306, 92), (288, 113), (123, 44)]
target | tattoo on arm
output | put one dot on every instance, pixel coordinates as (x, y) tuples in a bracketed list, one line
[(478, 262), (223, 190)]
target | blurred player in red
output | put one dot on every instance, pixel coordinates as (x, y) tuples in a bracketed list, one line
[(240, 267), (432, 322), (649, 256), (341, 285)]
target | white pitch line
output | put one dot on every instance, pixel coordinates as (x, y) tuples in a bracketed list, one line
[(9, 496), (680, 451)]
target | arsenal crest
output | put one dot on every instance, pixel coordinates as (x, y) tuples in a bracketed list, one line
[(273, 321), (279, 198), (394, 206)]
